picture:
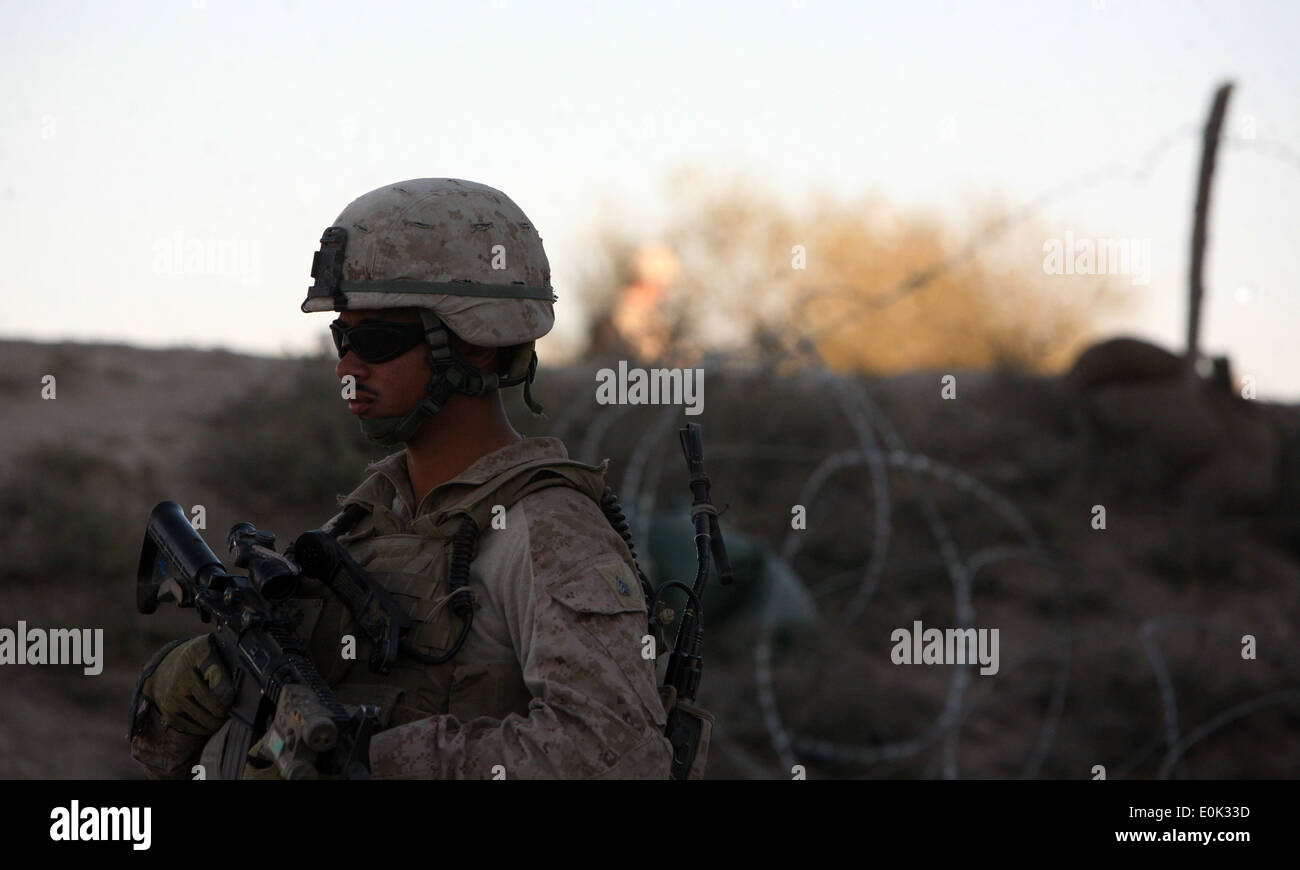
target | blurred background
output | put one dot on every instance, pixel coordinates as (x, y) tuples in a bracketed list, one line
[(934, 259)]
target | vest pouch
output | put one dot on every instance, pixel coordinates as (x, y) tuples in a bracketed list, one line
[(413, 569), (210, 759), (481, 689), (689, 728), (411, 690)]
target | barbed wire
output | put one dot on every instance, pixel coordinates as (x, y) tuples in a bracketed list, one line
[(962, 699), (879, 449), (1278, 150), (865, 418), (1231, 714)]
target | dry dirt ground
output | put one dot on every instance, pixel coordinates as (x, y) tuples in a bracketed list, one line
[(1126, 652), (140, 405)]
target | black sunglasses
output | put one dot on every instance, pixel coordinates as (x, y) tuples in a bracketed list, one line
[(376, 341)]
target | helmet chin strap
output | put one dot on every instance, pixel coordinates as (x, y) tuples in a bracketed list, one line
[(396, 430), (449, 374)]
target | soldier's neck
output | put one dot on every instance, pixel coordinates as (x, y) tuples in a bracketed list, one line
[(464, 431)]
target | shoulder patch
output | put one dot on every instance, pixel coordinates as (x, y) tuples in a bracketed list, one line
[(625, 587)]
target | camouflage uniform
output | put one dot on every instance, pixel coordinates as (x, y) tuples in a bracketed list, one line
[(551, 681)]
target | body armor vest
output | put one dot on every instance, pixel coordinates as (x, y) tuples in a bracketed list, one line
[(412, 560)]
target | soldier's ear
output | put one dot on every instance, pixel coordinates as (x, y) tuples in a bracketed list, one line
[(482, 358)]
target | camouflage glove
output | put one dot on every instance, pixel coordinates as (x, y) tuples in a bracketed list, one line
[(191, 688)]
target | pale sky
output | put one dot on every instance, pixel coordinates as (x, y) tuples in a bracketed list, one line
[(127, 127)]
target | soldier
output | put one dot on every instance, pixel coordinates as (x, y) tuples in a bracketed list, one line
[(525, 656)]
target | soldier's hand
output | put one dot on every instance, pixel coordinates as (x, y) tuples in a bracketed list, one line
[(191, 688)]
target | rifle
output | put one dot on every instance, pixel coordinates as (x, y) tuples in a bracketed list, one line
[(279, 694)]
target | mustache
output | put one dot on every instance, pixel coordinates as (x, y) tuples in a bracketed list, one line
[(364, 390)]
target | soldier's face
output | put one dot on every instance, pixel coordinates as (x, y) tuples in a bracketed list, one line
[(391, 388)]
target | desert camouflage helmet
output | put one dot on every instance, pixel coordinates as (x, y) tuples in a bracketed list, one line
[(461, 253), (460, 249)]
